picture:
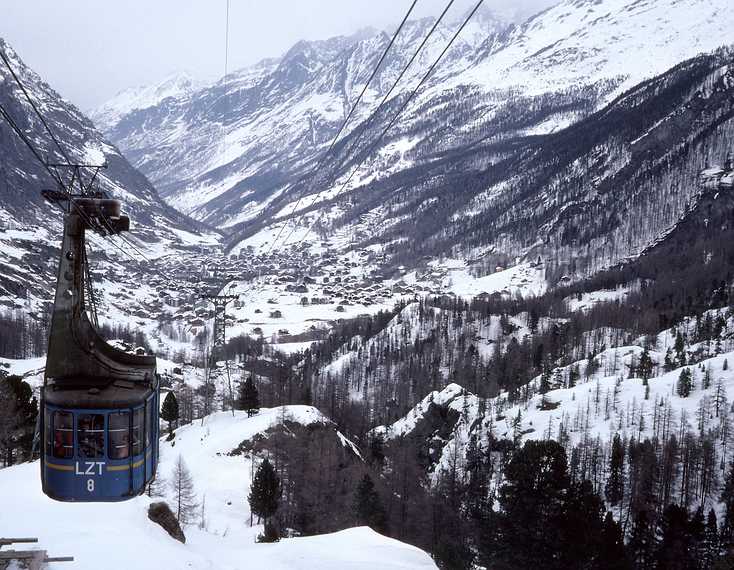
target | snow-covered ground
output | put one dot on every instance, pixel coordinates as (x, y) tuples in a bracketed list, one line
[(119, 536), (587, 301), (524, 278)]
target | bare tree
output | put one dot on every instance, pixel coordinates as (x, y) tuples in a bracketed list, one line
[(182, 486), (157, 487)]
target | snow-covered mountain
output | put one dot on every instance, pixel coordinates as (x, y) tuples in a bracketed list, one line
[(273, 118), (175, 86), (235, 160)]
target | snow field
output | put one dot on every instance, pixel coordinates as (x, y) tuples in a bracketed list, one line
[(119, 536)]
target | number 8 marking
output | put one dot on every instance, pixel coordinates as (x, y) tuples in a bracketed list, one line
[(90, 485)]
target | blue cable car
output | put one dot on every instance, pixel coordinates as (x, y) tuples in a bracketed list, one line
[(99, 425)]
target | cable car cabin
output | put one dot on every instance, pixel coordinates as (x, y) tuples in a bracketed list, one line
[(100, 444), (100, 405)]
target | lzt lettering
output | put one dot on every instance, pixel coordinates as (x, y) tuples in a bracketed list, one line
[(89, 468)]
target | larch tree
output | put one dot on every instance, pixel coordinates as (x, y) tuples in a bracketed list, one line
[(182, 488), (157, 486)]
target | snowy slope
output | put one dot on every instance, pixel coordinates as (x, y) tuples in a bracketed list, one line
[(599, 406), (582, 42), (95, 532), (220, 155), (111, 112)]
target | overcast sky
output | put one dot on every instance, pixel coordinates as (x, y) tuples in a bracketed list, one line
[(89, 50)]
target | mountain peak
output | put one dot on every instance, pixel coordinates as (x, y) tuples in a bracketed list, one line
[(177, 84)]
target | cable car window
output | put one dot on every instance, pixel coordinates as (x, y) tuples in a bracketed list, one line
[(90, 435), (148, 421), (49, 431), (63, 435), (138, 418), (119, 435)]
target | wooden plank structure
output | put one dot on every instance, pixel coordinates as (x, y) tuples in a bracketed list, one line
[(28, 559)]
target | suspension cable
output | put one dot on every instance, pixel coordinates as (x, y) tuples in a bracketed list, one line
[(395, 117), (32, 103), (347, 118), (375, 113), (56, 176)]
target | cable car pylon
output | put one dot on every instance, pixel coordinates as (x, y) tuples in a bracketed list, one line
[(218, 351)]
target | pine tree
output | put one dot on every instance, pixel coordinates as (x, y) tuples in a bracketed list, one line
[(249, 399), (727, 498), (169, 410), (697, 534), (581, 528), (377, 449), (668, 362), (368, 509), (642, 542), (674, 540), (18, 413), (711, 542), (264, 494), (685, 383), (644, 368), (612, 552), (545, 379), (680, 349), (614, 490), (573, 376), (182, 487), (707, 378), (532, 502)]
